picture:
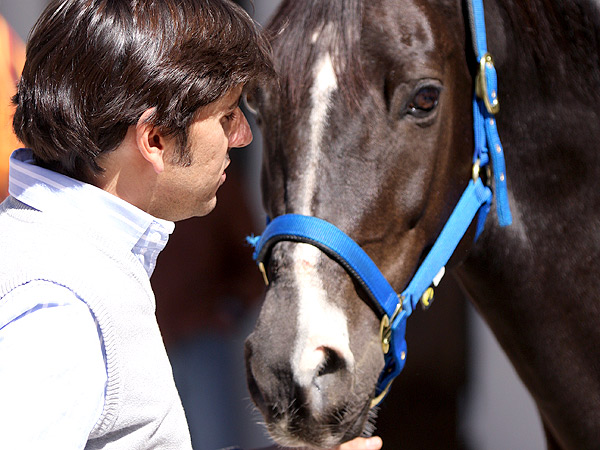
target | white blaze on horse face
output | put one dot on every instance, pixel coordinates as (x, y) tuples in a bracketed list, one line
[(321, 324), (325, 83)]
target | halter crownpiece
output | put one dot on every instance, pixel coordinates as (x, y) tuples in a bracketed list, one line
[(393, 309)]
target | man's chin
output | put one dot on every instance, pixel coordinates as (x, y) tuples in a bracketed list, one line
[(208, 207), (201, 209)]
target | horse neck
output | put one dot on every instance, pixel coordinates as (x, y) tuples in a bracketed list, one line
[(545, 52), (549, 91), (534, 277), (550, 41)]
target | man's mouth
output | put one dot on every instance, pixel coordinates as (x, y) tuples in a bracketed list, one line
[(224, 175)]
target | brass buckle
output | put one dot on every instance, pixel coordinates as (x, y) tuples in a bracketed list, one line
[(476, 169), (385, 329), (263, 270), (377, 400), (481, 87), (427, 298), (476, 173)]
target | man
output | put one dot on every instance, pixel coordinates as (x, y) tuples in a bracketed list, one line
[(129, 109)]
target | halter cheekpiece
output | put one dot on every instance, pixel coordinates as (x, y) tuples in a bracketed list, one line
[(394, 309)]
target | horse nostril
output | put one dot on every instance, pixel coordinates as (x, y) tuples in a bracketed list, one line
[(332, 362)]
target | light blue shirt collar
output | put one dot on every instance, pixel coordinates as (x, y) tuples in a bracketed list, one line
[(54, 193)]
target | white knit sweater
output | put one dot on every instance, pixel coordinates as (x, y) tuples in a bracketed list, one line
[(142, 408)]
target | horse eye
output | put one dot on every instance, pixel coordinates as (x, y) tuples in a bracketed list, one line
[(425, 100)]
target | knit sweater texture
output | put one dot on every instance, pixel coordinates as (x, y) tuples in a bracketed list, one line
[(142, 408)]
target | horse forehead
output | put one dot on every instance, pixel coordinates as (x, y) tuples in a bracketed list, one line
[(323, 86), (402, 29)]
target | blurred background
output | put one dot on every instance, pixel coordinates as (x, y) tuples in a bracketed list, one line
[(458, 390)]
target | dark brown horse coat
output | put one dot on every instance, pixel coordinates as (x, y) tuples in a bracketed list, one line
[(349, 139)]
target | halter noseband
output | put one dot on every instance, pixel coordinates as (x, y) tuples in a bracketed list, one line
[(394, 309)]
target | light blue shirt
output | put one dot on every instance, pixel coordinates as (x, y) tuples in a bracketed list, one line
[(52, 364)]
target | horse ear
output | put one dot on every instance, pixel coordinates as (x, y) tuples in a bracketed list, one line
[(150, 142)]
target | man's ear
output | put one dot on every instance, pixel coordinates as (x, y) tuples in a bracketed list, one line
[(150, 142)]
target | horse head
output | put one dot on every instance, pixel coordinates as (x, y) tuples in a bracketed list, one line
[(369, 127)]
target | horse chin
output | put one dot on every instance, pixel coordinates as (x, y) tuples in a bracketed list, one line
[(323, 431)]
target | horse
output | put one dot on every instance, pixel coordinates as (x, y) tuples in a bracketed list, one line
[(369, 127)]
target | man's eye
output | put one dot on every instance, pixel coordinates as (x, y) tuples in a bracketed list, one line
[(231, 116)]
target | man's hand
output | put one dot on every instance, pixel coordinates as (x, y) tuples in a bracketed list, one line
[(372, 443)]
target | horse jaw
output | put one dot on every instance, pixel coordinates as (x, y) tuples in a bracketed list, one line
[(301, 369)]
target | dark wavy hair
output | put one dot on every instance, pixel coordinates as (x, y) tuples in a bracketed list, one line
[(94, 66)]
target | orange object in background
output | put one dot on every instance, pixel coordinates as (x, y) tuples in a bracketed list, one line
[(12, 58)]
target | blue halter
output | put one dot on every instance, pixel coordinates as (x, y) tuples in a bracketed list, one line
[(394, 309)]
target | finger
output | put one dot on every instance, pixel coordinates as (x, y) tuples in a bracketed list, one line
[(372, 443)]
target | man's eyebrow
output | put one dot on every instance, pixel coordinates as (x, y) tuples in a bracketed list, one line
[(236, 103)]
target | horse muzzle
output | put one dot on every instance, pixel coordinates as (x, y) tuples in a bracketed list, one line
[(300, 364)]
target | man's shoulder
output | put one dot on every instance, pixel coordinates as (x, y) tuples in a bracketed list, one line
[(17, 218), (29, 237), (38, 246), (35, 295)]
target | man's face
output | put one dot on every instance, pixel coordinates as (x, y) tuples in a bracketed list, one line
[(191, 190)]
